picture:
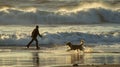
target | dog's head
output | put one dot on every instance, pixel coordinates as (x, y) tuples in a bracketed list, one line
[(68, 43), (82, 41)]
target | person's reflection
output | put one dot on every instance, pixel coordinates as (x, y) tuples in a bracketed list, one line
[(77, 58), (36, 59)]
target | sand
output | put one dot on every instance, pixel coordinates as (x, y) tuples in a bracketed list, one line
[(106, 65), (19, 56)]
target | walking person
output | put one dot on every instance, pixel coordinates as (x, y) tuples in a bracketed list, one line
[(34, 35)]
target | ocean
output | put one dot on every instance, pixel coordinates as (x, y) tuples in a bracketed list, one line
[(22, 12), (99, 34), (102, 45), (60, 21)]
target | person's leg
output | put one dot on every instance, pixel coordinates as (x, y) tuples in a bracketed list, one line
[(37, 47), (30, 43)]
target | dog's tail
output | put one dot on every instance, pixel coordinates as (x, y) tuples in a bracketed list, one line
[(82, 40)]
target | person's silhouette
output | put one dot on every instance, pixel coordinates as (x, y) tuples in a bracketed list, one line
[(34, 35)]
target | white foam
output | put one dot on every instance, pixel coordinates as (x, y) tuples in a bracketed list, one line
[(61, 34)]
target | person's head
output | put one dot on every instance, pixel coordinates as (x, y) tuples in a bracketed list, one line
[(37, 26)]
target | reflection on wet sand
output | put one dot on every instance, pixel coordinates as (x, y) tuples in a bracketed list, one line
[(69, 59), (36, 59), (40, 59), (77, 58)]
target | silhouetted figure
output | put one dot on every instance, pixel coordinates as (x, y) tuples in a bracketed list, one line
[(34, 35)]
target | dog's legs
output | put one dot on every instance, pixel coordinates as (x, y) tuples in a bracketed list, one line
[(77, 50)]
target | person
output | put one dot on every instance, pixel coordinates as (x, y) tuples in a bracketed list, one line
[(34, 35)]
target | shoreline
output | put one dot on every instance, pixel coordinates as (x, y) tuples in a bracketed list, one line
[(33, 47)]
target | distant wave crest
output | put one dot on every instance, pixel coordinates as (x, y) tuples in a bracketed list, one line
[(92, 15)]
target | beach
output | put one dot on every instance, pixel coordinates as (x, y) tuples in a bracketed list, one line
[(107, 65), (101, 46), (20, 56), (58, 22)]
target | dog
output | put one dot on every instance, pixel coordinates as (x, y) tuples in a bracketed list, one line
[(76, 47)]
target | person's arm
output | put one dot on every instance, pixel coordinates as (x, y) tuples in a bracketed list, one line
[(39, 34)]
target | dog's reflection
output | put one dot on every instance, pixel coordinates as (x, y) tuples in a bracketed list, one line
[(36, 59), (77, 58)]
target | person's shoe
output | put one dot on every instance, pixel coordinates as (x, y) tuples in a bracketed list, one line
[(38, 48), (27, 46)]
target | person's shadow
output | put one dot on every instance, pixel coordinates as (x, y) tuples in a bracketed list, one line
[(36, 59), (77, 58)]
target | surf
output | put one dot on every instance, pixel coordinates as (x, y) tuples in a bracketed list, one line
[(85, 13), (60, 34)]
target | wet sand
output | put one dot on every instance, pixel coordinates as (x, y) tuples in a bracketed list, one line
[(107, 65), (17, 56)]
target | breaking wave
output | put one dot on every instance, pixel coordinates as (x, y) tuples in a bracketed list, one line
[(35, 16), (61, 38)]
